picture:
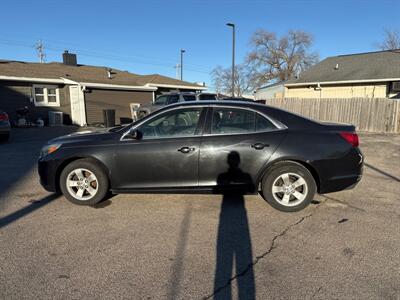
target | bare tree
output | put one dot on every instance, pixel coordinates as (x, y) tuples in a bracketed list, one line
[(391, 40), (222, 80), (280, 59)]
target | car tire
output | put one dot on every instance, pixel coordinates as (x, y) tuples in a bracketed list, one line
[(288, 186), (4, 137), (84, 182)]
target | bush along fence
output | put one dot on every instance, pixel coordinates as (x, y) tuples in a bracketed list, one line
[(367, 114)]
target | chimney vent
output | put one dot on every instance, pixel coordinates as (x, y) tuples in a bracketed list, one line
[(337, 67), (109, 73), (69, 58)]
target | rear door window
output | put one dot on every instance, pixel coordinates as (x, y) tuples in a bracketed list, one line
[(173, 99), (263, 124), (232, 120), (189, 97)]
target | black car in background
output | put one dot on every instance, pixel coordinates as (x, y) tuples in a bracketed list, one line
[(212, 147), (5, 127), (172, 98)]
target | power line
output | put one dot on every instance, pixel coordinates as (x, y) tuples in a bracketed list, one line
[(102, 55)]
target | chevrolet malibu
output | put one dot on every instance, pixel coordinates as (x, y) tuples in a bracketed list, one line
[(207, 147)]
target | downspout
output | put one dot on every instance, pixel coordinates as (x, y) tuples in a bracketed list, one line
[(82, 105)]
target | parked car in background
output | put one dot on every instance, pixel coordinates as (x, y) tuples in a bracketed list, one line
[(5, 127), (171, 98), (207, 96), (207, 146), (238, 99)]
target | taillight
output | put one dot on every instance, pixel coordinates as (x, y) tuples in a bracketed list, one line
[(351, 138), (3, 117)]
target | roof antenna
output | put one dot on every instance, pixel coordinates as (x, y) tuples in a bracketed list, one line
[(40, 49)]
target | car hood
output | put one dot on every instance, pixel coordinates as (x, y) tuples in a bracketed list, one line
[(86, 135)]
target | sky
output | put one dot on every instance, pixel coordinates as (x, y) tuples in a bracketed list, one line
[(145, 37)]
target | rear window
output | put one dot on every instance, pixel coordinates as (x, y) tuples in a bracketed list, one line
[(207, 97)]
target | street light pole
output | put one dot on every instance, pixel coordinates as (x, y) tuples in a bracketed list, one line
[(233, 57), (182, 51)]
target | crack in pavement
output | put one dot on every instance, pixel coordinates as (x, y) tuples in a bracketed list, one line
[(258, 258)]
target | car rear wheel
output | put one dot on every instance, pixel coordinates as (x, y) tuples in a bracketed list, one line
[(84, 182), (4, 137), (288, 187)]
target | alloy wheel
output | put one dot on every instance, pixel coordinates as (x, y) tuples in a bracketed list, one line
[(289, 189), (82, 184)]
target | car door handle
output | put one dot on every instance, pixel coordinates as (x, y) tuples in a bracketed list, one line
[(186, 149), (259, 146)]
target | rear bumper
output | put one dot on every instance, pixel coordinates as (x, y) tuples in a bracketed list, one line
[(342, 174), (5, 128), (340, 183)]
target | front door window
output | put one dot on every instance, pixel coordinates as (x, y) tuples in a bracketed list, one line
[(177, 123)]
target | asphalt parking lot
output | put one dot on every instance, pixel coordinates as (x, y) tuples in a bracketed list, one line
[(344, 246)]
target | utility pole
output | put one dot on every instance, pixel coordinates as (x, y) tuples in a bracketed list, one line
[(40, 49), (177, 69), (233, 57), (182, 51)]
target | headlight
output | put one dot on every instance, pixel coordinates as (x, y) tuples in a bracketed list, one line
[(46, 150)]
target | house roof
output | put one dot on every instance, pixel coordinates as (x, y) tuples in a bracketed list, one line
[(361, 67), (84, 73), (160, 80), (271, 85)]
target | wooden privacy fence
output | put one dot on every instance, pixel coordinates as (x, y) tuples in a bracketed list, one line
[(374, 115)]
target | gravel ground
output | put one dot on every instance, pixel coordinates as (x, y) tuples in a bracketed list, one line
[(344, 246)]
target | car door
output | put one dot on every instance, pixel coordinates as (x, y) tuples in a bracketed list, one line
[(238, 134), (165, 156)]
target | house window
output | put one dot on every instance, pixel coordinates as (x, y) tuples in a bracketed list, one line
[(46, 95)]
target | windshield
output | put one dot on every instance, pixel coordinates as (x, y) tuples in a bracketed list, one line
[(161, 100)]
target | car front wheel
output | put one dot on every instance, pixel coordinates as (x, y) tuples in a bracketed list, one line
[(83, 182), (288, 187)]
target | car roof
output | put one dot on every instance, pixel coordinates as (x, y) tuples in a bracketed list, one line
[(291, 120), (178, 93), (218, 102)]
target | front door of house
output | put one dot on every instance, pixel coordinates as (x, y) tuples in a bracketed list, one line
[(77, 105)]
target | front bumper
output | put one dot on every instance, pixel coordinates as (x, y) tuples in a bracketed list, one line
[(47, 170)]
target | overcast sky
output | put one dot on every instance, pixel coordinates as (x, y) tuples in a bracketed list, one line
[(146, 36)]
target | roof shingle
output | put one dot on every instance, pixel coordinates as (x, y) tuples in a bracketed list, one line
[(353, 67), (83, 73)]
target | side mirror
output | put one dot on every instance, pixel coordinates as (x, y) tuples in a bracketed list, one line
[(134, 134)]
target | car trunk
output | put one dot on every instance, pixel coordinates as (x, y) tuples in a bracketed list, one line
[(338, 126)]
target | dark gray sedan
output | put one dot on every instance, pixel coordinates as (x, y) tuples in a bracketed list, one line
[(216, 147)]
